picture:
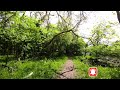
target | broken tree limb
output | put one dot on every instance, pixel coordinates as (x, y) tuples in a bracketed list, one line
[(28, 75), (62, 74)]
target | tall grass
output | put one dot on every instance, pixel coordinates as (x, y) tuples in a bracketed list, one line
[(103, 72), (32, 69)]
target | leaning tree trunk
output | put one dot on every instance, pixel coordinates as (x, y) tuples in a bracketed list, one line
[(118, 16)]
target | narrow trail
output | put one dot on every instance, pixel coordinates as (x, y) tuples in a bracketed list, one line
[(68, 71)]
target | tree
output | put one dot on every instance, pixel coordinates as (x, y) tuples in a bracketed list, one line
[(118, 16), (22, 37), (100, 39)]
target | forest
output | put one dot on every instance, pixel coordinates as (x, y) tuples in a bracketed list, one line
[(32, 46)]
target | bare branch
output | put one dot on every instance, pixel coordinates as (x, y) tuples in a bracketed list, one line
[(61, 17)]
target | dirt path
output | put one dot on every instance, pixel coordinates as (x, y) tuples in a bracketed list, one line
[(68, 71)]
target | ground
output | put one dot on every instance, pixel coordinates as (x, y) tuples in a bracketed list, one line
[(68, 71)]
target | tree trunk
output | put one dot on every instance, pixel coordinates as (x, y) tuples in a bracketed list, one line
[(118, 16)]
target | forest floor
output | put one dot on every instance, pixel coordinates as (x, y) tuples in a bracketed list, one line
[(68, 71)]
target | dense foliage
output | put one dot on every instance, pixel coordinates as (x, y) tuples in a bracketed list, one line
[(32, 45), (21, 36), (29, 69)]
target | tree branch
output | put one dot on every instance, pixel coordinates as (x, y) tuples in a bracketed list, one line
[(55, 37)]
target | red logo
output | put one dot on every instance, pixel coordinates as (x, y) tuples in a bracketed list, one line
[(93, 71)]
